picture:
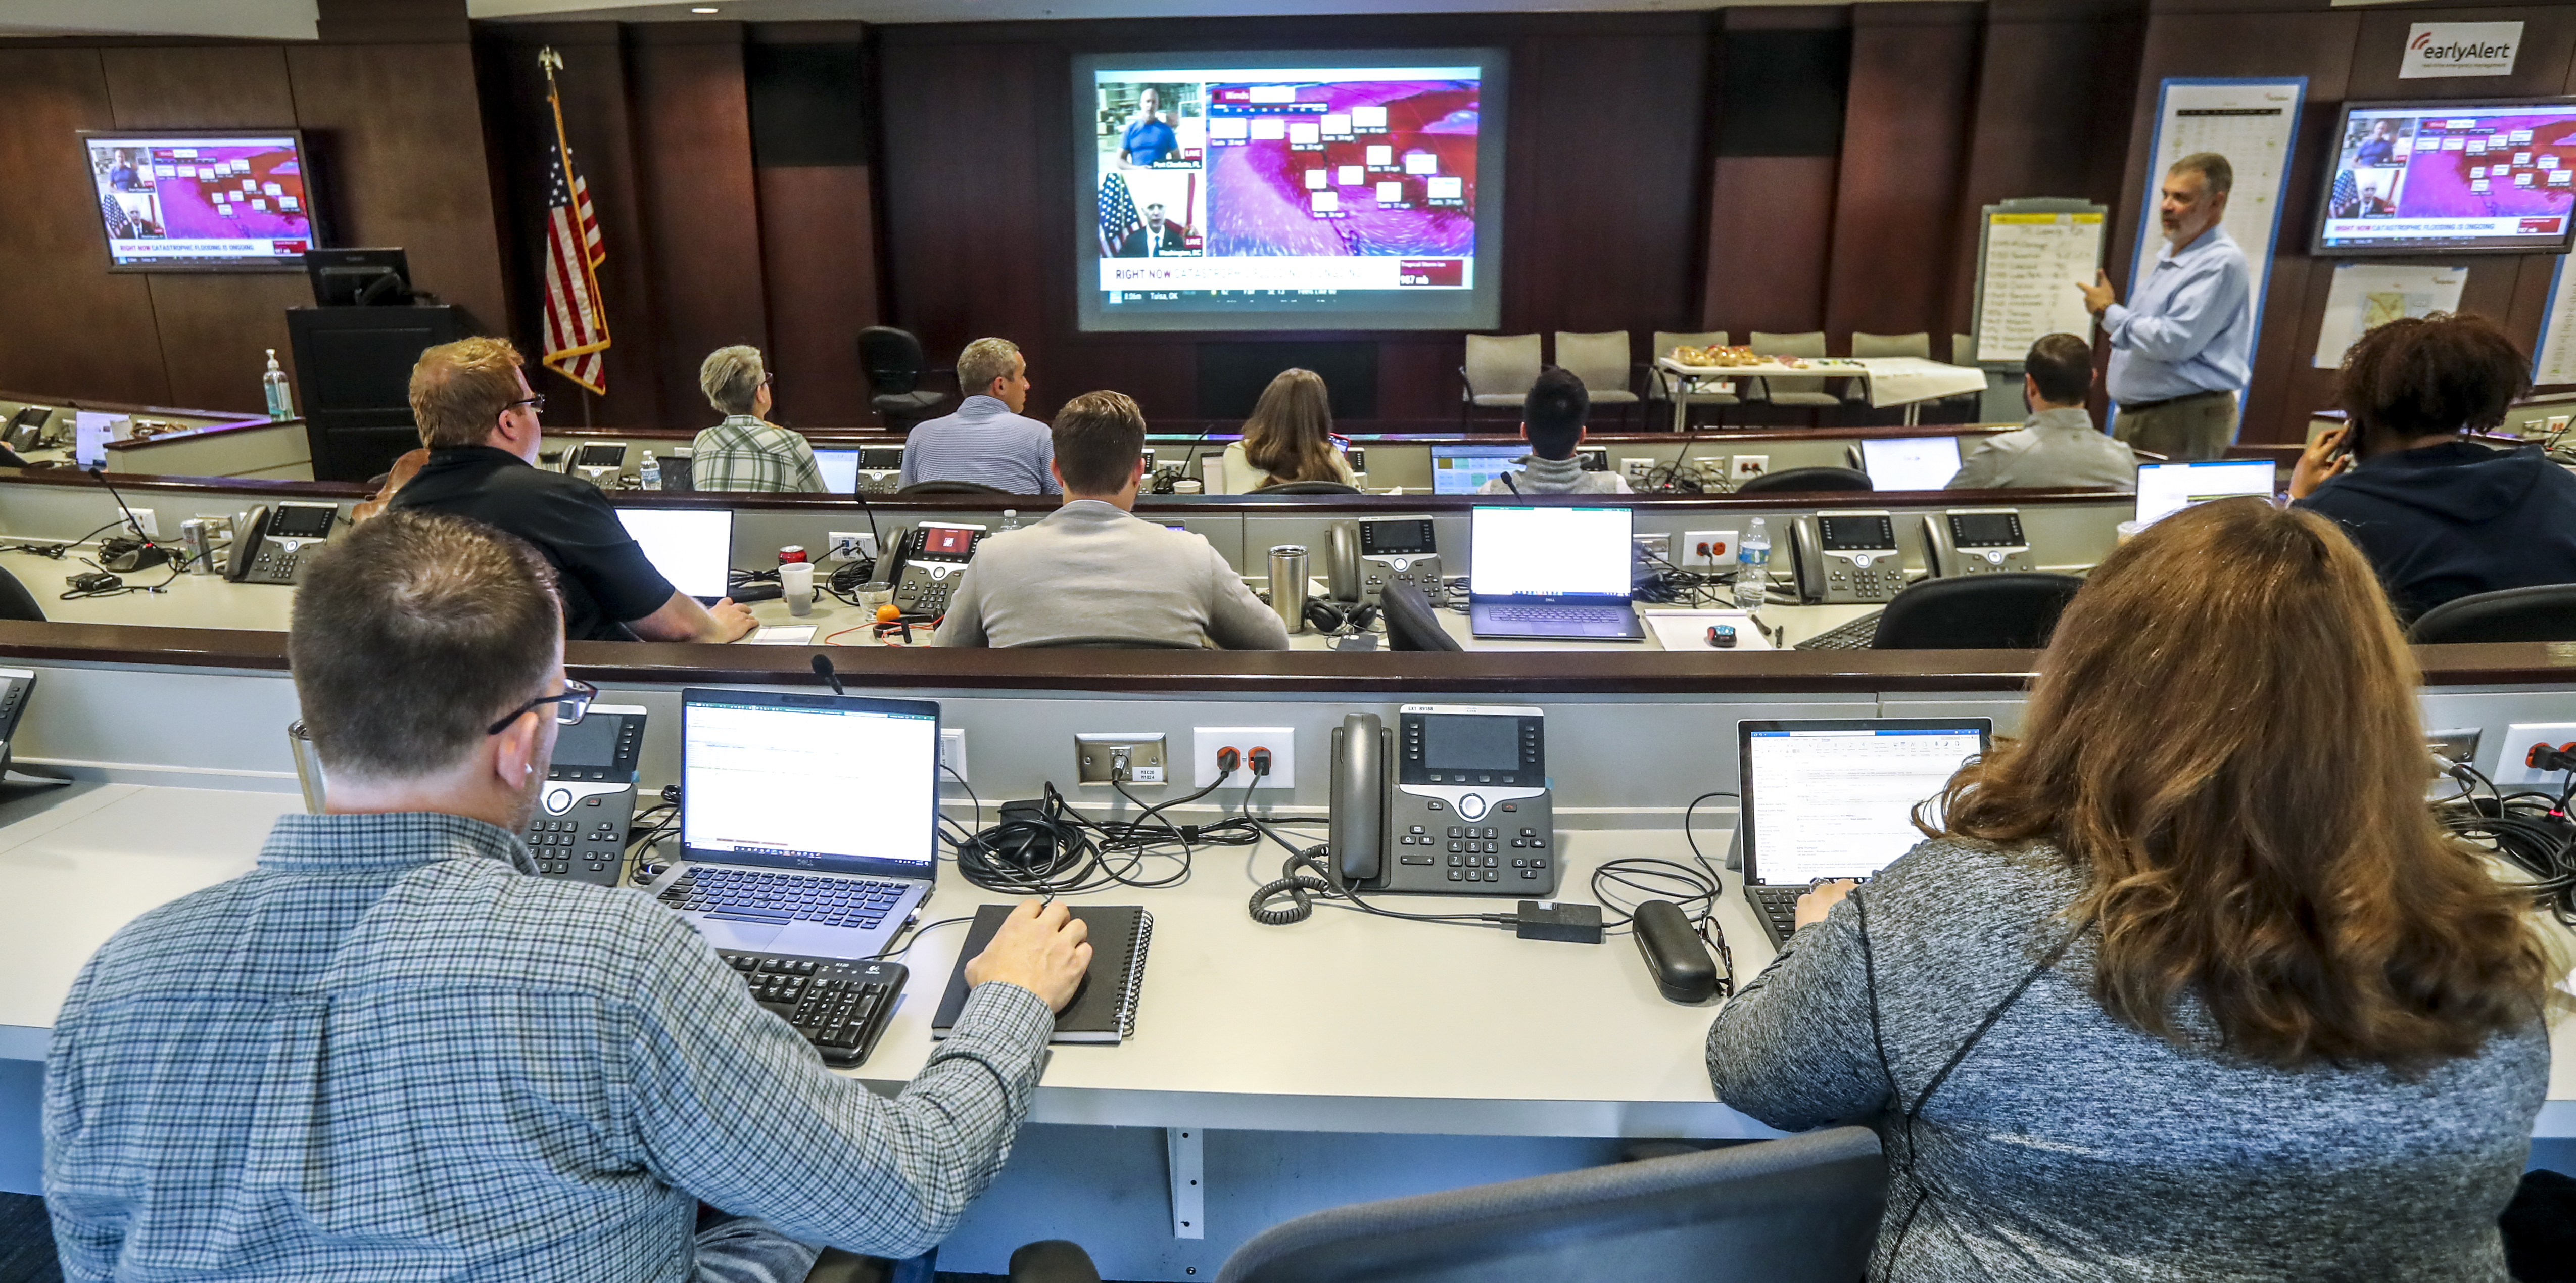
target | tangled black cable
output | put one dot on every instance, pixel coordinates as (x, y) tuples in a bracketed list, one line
[(2528, 827), (1060, 851)]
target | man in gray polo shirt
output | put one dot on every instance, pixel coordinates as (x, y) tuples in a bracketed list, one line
[(986, 441), (2058, 445), (1093, 570)]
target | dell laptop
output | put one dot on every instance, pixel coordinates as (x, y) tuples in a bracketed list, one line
[(1835, 799), (692, 547), (2167, 488), (808, 823), (1552, 574)]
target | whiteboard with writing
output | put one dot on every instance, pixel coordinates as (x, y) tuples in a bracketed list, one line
[(2030, 260), (2250, 122)]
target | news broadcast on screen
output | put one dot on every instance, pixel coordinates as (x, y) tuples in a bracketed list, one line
[(200, 200), (1233, 195), (2413, 178)]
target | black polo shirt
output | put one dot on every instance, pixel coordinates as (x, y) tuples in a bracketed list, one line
[(603, 575)]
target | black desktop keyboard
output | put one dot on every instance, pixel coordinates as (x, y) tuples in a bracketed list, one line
[(839, 1006), (1780, 905), (750, 895), (1856, 635)]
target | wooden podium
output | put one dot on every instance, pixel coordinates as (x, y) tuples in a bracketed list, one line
[(355, 365)]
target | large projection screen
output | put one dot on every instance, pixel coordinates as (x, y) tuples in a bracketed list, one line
[(1289, 191)]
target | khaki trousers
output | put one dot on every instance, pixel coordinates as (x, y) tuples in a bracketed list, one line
[(2184, 429)]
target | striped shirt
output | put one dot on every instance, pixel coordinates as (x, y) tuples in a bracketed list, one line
[(744, 453), (385, 1053)]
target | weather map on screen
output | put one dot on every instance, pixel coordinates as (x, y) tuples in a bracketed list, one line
[(1224, 194), (202, 200), (2408, 179)]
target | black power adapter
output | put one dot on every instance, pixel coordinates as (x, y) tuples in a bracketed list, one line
[(1562, 920)]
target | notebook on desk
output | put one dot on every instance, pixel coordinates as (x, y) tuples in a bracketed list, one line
[(1104, 1008), (1835, 798)]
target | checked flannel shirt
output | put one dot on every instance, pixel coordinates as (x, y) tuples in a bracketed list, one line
[(744, 453)]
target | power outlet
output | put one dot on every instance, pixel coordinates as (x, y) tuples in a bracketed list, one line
[(1708, 549), (1103, 756), (1280, 740), (850, 545), (1751, 465), (1659, 548), (2518, 739), (1636, 470), (952, 751), (150, 523)]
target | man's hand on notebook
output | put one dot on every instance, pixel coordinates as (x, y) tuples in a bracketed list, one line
[(1040, 948), (1816, 903)]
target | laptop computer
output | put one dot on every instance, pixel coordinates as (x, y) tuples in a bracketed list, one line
[(1910, 463), (1464, 469), (840, 469), (2167, 488), (808, 823), (1548, 574), (1835, 798), (692, 547)]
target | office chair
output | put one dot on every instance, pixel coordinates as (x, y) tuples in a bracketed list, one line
[(1976, 612), (1411, 623), (16, 602), (1803, 1209), (1805, 393), (1304, 487), (2538, 614), (1601, 362), (1808, 481), (893, 362), (1047, 1261), (950, 487), (1108, 643), (1498, 373)]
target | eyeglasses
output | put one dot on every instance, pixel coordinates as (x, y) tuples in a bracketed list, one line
[(569, 706), (536, 404)]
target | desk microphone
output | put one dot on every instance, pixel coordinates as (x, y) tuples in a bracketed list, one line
[(823, 669), (142, 554)]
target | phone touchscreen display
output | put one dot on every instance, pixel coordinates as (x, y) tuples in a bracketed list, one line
[(1455, 743)]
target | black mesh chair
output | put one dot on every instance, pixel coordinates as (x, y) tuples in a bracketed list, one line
[(1108, 643), (16, 602), (1807, 481), (1303, 487), (1412, 623), (1976, 612), (2545, 613), (893, 361), (950, 487)]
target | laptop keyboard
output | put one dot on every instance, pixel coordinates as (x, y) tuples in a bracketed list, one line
[(1547, 614), (839, 1006), (755, 895), (1856, 635), (1780, 905)]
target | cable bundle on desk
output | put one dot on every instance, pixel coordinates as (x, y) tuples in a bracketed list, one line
[(1622, 884), (1047, 848), (2528, 827)]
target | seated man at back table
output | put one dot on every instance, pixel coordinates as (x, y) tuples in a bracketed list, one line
[(1552, 418), (986, 441), (2058, 444), (1093, 569), (410, 1057)]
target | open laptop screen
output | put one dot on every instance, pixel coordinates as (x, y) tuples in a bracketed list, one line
[(1464, 469), (1910, 463), (1549, 552), (827, 782), (1835, 799), (840, 469), (692, 547), (2167, 488)]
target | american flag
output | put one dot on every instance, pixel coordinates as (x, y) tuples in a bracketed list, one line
[(576, 318), (1118, 216), (2345, 202)]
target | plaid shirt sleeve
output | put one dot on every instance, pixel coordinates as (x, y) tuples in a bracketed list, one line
[(732, 1106), (744, 454)]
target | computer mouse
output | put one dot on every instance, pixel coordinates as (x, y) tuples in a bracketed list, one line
[(1680, 964), (1722, 636)]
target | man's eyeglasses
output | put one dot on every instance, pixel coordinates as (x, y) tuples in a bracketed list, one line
[(536, 404), (569, 706)]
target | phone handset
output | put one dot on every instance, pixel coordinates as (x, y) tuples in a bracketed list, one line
[(1358, 820), (249, 529), (1342, 564)]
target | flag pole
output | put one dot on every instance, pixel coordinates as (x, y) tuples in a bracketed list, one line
[(552, 62)]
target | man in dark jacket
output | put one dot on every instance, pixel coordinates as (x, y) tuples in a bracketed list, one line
[(2439, 515)]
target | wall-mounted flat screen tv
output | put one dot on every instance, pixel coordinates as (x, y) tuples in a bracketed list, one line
[(203, 200), (2451, 178)]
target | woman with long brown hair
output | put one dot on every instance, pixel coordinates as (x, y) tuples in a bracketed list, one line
[(2187, 983), (1288, 438)]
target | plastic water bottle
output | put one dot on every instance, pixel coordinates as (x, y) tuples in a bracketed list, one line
[(281, 401), (1752, 566), (1010, 519), (650, 471)]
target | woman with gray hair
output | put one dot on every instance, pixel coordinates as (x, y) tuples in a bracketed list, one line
[(746, 452)]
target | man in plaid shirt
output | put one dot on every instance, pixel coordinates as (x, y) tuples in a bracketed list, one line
[(389, 1052), (747, 452)]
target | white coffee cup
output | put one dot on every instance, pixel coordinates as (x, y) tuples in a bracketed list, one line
[(796, 583)]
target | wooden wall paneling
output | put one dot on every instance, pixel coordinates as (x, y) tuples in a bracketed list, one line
[(2540, 66), (819, 274), (1417, 378), (1770, 233), (399, 137), (1904, 158), (71, 326), (700, 206)]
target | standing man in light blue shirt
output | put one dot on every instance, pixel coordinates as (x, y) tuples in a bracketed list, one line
[(986, 441), (2183, 348)]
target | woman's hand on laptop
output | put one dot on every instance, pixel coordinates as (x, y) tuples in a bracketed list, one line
[(1821, 899), (1040, 948)]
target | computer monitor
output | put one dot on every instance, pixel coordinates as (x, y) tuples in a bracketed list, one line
[(358, 277), (1549, 552), (1909, 463), (692, 547), (1835, 798), (2167, 488), (840, 470), (810, 781), (1464, 469), (91, 431)]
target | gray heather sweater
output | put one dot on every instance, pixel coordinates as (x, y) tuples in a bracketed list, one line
[(2070, 1146), (1093, 570)]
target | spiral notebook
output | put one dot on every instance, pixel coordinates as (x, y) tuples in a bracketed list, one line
[(1104, 1008)]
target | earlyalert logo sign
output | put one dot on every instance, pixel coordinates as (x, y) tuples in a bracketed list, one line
[(2441, 49)]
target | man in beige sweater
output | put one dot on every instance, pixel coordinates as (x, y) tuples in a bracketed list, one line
[(1095, 571)]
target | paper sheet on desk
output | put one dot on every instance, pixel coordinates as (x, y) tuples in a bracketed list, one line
[(1687, 630), (782, 635)]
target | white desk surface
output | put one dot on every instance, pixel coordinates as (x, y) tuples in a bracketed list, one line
[(1339, 1023)]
